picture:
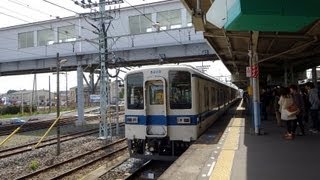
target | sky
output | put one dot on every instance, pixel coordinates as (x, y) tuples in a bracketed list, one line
[(14, 12)]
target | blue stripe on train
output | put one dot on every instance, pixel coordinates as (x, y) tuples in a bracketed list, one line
[(171, 119)]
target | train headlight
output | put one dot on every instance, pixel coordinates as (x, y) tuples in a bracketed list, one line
[(183, 120), (132, 120)]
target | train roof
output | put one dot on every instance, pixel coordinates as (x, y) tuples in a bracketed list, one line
[(181, 67)]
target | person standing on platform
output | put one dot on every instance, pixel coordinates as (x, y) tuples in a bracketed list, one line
[(263, 104), (314, 106), (285, 101), (298, 101), (276, 106)]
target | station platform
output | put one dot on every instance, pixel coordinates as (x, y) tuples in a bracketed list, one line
[(237, 154)]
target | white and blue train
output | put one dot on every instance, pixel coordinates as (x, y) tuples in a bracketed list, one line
[(167, 107)]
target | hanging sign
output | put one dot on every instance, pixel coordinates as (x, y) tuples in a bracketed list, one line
[(254, 71)]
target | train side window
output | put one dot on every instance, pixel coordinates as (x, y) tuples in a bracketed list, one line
[(206, 98), (213, 96), (180, 90), (135, 91)]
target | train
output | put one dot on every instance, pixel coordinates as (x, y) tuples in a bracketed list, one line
[(167, 107)]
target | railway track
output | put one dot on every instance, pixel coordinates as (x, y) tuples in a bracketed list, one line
[(138, 171), (42, 124), (30, 126), (98, 154), (28, 147), (151, 169)]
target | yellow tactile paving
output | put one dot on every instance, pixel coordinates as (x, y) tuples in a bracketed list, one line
[(238, 122), (232, 139), (222, 169)]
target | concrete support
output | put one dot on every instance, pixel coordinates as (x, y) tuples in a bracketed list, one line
[(91, 81), (255, 84), (285, 75), (117, 106), (80, 96), (292, 75)]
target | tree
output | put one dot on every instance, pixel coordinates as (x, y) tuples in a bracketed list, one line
[(11, 91), (121, 93)]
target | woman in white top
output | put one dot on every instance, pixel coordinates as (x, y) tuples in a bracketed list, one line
[(285, 101)]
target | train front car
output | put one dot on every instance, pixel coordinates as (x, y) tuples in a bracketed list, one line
[(160, 115)]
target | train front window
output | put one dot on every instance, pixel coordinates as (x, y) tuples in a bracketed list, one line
[(156, 93), (180, 90), (135, 91)]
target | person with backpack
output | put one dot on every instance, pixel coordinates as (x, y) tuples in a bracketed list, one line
[(298, 101), (314, 106)]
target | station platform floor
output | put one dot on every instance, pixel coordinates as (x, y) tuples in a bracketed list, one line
[(237, 154)]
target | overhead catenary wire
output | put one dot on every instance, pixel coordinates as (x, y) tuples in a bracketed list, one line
[(9, 10), (50, 15), (60, 6), (28, 6), (80, 15)]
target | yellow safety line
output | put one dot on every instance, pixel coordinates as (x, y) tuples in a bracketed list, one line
[(7, 138), (223, 166), (45, 134)]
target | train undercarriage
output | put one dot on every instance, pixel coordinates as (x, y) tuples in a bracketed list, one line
[(157, 148)]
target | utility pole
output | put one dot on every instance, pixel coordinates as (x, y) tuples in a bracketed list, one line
[(105, 127), (22, 109), (58, 106), (103, 130), (49, 95), (67, 89)]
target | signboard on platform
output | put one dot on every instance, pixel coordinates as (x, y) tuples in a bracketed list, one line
[(248, 71), (252, 71), (94, 98)]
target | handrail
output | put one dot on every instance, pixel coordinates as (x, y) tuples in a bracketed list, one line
[(45, 134)]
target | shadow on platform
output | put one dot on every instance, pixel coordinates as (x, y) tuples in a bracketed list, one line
[(271, 157)]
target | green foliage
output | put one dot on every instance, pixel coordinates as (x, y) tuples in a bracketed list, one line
[(34, 165), (9, 110), (121, 93), (11, 91), (15, 109)]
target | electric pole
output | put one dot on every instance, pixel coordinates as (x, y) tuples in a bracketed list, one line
[(105, 129)]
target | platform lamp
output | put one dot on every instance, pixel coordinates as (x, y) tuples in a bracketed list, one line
[(59, 63)]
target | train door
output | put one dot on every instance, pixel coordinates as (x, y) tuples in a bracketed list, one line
[(156, 108)]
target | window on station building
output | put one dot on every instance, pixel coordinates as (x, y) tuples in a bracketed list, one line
[(25, 40), (66, 34), (135, 91), (45, 37), (140, 24), (180, 90), (189, 19), (169, 19)]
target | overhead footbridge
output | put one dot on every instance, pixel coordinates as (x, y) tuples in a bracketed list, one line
[(134, 39)]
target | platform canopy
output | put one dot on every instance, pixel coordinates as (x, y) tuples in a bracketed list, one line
[(288, 34), (270, 15)]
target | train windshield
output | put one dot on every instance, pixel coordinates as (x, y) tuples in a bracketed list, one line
[(156, 93), (180, 90), (135, 91)]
